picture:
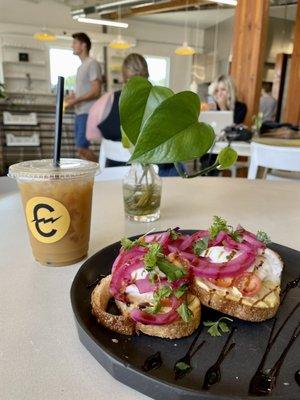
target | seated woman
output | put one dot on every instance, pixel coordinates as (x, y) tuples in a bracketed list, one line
[(104, 119), (223, 91)]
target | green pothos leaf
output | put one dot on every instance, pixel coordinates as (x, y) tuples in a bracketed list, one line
[(226, 158), (173, 132)]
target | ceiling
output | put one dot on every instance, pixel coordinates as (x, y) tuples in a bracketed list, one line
[(198, 18), (201, 18)]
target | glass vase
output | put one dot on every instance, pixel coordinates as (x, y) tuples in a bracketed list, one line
[(142, 193)]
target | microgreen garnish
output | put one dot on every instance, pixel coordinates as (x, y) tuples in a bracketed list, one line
[(181, 290), (174, 233), (150, 259), (218, 225), (263, 237), (161, 293), (182, 366), (201, 245), (171, 271), (236, 236), (217, 328), (127, 244), (185, 313)]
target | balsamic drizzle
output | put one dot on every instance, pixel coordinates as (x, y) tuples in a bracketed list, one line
[(264, 382), (95, 282), (152, 362), (183, 366), (297, 376), (290, 285), (213, 374)]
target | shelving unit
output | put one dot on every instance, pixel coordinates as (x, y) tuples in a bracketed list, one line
[(45, 129), (24, 76)]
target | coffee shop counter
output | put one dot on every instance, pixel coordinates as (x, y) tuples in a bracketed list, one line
[(41, 356)]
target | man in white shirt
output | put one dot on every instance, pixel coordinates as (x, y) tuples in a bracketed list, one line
[(88, 90)]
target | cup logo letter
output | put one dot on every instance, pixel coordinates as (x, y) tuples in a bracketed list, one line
[(48, 220)]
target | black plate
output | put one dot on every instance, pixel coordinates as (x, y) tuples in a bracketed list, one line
[(123, 356)]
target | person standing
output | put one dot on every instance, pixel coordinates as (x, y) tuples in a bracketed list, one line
[(267, 103), (88, 90)]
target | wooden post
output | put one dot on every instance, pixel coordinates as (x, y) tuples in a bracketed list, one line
[(292, 105), (278, 81), (248, 51)]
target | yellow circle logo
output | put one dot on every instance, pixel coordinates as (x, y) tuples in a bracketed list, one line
[(47, 219)]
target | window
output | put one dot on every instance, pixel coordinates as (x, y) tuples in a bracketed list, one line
[(159, 70), (63, 63)]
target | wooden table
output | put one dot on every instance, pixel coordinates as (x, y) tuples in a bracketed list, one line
[(41, 357)]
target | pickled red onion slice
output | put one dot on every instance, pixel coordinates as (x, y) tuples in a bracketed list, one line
[(205, 268)]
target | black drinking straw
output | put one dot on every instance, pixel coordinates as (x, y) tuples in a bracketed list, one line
[(58, 120)]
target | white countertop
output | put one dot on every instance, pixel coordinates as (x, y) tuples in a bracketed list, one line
[(41, 357)]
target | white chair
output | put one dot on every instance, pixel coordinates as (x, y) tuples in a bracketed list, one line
[(283, 158), (112, 150)]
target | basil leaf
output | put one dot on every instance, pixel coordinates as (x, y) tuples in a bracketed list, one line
[(201, 245), (179, 136), (170, 270), (226, 158), (185, 313)]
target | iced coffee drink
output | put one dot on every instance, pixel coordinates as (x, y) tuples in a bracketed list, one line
[(57, 204)]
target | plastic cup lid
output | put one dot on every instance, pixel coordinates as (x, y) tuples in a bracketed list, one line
[(70, 168)]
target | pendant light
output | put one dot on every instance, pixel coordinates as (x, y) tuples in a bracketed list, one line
[(119, 43), (185, 49), (45, 36)]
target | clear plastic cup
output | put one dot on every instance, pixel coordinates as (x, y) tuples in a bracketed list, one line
[(57, 204)]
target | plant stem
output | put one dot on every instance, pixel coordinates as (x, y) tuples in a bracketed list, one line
[(204, 171)]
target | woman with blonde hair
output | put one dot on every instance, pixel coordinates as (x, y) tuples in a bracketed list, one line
[(104, 120), (223, 91)]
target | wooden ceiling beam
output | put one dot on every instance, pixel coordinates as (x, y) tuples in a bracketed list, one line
[(172, 5)]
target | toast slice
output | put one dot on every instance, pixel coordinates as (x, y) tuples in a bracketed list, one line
[(125, 325), (232, 301)]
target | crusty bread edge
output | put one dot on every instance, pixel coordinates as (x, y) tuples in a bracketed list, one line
[(124, 325), (99, 300), (219, 302)]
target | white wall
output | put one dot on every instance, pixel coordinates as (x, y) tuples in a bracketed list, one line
[(162, 40), (19, 16)]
